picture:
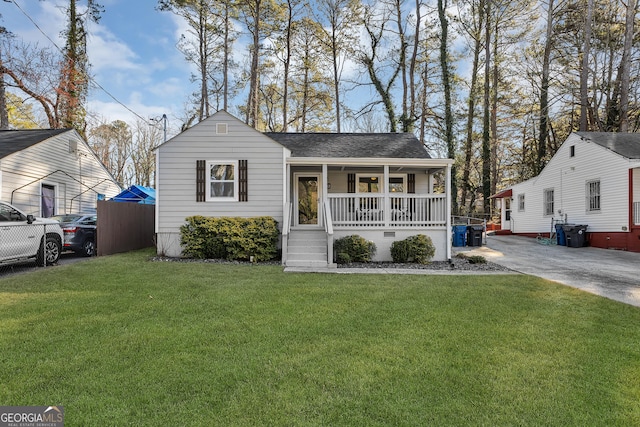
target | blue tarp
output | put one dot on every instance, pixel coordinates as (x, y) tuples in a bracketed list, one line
[(137, 194)]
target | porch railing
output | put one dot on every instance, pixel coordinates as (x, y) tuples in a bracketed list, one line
[(636, 213), (388, 210)]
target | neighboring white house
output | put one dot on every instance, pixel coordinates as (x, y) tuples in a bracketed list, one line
[(593, 180), (45, 172), (319, 187)]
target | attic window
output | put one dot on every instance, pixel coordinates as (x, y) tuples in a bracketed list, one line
[(572, 151), (221, 128)]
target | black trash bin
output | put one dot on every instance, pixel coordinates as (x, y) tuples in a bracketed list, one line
[(474, 235), (576, 235)]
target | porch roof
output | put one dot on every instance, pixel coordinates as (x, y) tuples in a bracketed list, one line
[(352, 145)]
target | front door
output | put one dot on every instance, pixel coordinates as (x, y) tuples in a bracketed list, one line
[(307, 192)]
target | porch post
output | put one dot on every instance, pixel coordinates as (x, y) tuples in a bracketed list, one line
[(385, 192), (325, 183), (448, 220)]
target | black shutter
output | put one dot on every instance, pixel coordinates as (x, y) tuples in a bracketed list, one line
[(201, 180), (411, 183), (411, 189), (243, 181), (351, 183)]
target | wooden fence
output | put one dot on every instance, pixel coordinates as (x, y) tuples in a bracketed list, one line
[(124, 227)]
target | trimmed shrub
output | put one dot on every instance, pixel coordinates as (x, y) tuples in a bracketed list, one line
[(230, 238), (476, 259), (354, 248), (400, 251), (418, 249)]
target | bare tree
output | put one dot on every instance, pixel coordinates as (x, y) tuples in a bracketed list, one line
[(626, 65), (145, 138), (341, 17), (113, 143), (446, 82), (375, 64), (473, 28), (584, 72)]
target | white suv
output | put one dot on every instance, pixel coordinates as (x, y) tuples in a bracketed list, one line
[(24, 236)]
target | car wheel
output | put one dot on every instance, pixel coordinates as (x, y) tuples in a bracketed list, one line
[(50, 250), (88, 248)]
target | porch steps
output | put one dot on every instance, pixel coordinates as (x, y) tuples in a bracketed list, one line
[(307, 248)]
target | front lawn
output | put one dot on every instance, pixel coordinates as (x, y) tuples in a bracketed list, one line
[(121, 340)]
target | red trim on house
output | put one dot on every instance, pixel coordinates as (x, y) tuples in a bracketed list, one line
[(503, 194), (630, 199), (616, 240)]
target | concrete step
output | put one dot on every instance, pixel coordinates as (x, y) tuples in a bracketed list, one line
[(309, 264), (307, 249), (297, 256)]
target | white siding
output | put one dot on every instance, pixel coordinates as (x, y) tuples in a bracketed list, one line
[(78, 176), (176, 175), (568, 177)]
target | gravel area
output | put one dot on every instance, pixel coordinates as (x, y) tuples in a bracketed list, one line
[(457, 263)]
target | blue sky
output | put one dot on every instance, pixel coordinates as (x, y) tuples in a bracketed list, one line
[(132, 52)]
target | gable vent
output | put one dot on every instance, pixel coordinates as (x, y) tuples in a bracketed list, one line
[(73, 146), (222, 128)]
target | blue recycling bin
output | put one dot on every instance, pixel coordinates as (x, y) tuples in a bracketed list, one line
[(561, 238), (459, 235)]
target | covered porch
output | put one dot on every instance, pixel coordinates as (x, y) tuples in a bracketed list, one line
[(382, 200)]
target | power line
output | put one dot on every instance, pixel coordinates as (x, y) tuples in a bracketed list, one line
[(91, 79)]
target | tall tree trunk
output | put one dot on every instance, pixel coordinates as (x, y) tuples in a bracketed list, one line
[(336, 75), (486, 122), (584, 73), (225, 61), (4, 113), (253, 101), (287, 63), (448, 115), (412, 65), (405, 120), (494, 117), (626, 66), (204, 63), (544, 93), (471, 106)]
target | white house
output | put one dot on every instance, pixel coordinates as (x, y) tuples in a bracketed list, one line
[(319, 187), (45, 172), (593, 180)]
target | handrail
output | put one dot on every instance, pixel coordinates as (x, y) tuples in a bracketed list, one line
[(286, 227), (328, 228), (286, 219)]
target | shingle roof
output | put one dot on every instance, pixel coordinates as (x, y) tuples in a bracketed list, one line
[(624, 144), (352, 145), (12, 141)]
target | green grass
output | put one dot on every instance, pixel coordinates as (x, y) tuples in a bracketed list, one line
[(121, 340)]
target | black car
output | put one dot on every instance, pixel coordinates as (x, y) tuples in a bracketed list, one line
[(79, 232)]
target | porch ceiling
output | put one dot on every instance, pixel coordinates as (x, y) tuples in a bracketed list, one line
[(370, 162)]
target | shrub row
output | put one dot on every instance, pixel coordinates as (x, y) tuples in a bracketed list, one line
[(230, 238), (418, 249)]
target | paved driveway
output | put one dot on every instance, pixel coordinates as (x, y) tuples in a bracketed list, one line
[(609, 273)]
